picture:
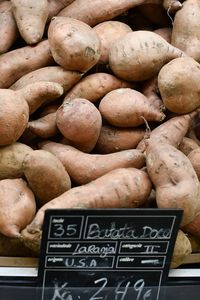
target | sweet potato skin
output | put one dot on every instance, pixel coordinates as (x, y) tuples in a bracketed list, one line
[(126, 107), (182, 248), (18, 62), (31, 17), (113, 139), (93, 12), (108, 33), (8, 27), (84, 167), (187, 38), (40, 92), (171, 131), (124, 187), (177, 185), (53, 74), (75, 118), (19, 208), (11, 158), (128, 57), (187, 145), (67, 34), (94, 86), (194, 157), (45, 175), (14, 116), (44, 127), (177, 95)]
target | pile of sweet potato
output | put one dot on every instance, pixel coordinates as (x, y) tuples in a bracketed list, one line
[(99, 108)]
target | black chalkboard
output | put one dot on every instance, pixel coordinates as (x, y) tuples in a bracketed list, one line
[(106, 254)]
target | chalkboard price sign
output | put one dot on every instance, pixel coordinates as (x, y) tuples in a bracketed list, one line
[(106, 254)]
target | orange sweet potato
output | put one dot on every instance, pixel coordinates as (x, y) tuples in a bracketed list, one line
[(80, 122), (38, 93), (185, 33), (17, 206), (124, 187), (45, 175), (194, 157), (11, 158), (44, 127), (55, 6), (74, 45), (126, 107), (94, 86), (18, 62), (114, 139), (171, 131), (31, 17), (53, 74), (84, 167), (93, 12), (149, 89), (165, 32), (140, 55), (17, 105), (8, 27), (178, 96), (187, 145), (108, 33), (175, 180)]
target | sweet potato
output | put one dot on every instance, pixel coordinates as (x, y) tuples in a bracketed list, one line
[(14, 116), (140, 55), (80, 122), (31, 17), (93, 12), (194, 157), (175, 180), (8, 27), (55, 6), (45, 175), (17, 206), (181, 250), (40, 92), (187, 145), (44, 127), (84, 167), (178, 96), (124, 187), (193, 227), (94, 86), (108, 33), (74, 45), (11, 158), (53, 73), (171, 131), (149, 89), (185, 33), (126, 107), (17, 105), (165, 32), (18, 62), (113, 139)]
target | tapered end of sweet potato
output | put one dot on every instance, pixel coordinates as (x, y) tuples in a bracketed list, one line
[(32, 238)]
